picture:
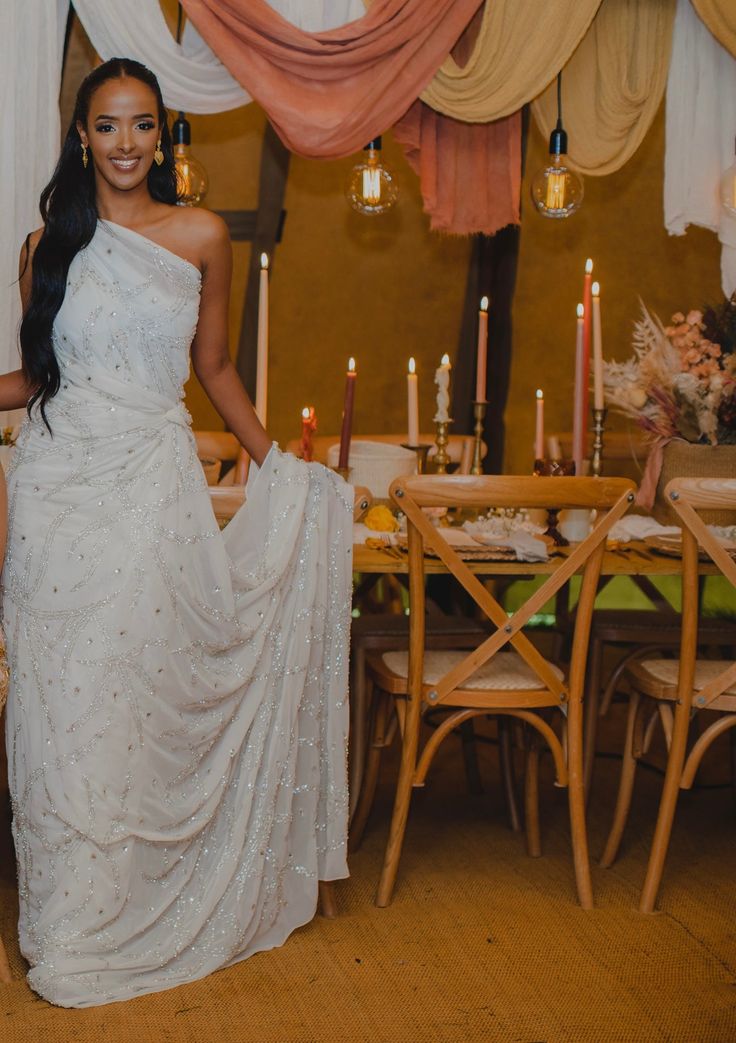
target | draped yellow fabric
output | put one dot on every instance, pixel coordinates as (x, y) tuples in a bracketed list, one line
[(720, 17), (518, 52), (613, 84)]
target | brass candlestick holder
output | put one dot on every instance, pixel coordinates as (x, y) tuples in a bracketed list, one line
[(599, 420), (421, 452), (479, 412), (441, 457)]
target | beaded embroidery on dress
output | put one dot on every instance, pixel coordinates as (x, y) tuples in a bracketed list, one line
[(177, 716)]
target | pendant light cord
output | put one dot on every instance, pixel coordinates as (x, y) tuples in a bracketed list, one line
[(559, 96)]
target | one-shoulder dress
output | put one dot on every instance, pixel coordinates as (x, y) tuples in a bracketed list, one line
[(177, 715)]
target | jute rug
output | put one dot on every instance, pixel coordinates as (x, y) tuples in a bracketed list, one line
[(480, 943)]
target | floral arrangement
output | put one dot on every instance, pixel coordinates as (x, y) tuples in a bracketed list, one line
[(7, 436), (681, 380)]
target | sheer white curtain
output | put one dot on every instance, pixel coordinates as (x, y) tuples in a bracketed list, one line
[(191, 77), (701, 123), (31, 42)]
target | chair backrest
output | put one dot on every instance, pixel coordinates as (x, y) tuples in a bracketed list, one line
[(459, 447), (688, 496), (224, 446), (609, 497)]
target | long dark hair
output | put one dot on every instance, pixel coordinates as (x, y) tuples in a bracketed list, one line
[(69, 211)]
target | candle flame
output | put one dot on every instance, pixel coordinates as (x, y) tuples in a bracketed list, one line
[(412, 365), (445, 361), (580, 311), (589, 266), (351, 365), (306, 412), (264, 262), (484, 304), (596, 289), (540, 393)]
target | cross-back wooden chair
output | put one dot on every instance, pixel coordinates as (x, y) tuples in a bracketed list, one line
[(222, 445), (673, 692), (504, 674)]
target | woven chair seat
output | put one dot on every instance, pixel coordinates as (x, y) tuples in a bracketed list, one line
[(506, 672), (664, 672)]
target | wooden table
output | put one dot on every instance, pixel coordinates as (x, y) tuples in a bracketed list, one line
[(629, 559)]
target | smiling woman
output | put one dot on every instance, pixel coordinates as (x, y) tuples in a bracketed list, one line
[(176, 717)]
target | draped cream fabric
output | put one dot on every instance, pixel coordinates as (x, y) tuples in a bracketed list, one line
[(701, 119), (613, 84), (31, 40), (519, 50), (720, 17)]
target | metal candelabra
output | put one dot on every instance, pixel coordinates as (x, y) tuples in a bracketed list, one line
[(479, 412)]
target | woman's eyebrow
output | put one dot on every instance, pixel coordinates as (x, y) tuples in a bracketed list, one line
[(139, 116)]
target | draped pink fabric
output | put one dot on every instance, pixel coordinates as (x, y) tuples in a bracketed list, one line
[(328, 93), (470, 173)]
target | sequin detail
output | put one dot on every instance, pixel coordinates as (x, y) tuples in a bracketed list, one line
[(177, 719)]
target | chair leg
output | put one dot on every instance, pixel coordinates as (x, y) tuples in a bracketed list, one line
[(665, 817), (358, 716), (576, 797), (5, 976), (625, 786), (590, 710), (373, 764), (531, 798), (470, 758), (409, 746), (506, 764), (327, 899)]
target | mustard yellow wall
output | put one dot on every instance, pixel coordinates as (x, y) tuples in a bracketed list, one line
[(380, 288), (621, 226), (386, 288)]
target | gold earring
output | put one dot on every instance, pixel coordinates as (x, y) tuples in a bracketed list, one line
[(158, 156), (85, 160)]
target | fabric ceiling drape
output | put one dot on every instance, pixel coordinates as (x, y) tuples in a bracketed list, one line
[(31, 44), (469, 173), (720, 17), (191, 77), (327, 93), (613, 84), (519, 50), (701, 117)]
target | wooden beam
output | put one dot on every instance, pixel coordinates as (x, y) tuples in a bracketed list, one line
[(264, 231)]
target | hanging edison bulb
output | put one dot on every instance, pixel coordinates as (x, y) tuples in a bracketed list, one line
[(372, 188), (557, 190), (728, 189), (191, 177)]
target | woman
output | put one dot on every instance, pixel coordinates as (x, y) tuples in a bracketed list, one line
[(176, 718)]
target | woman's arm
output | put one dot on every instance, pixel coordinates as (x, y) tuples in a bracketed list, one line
[(210, 354)]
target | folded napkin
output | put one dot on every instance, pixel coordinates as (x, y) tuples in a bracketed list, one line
[(523, 537), (639, 527)]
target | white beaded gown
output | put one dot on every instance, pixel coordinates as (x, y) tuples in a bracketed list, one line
[(177, 718)]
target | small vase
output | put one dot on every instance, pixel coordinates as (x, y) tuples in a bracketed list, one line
[(683, 459)]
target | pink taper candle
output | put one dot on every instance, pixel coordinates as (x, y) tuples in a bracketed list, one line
[(347, 416), (412, 390), (480, 376), (597, 348), (587, 339), (539, 428), (580, 397)]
